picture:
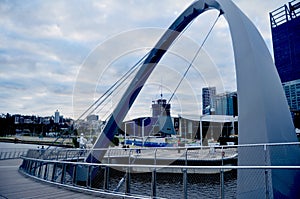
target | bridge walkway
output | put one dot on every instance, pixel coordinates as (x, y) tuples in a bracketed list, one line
[(14, 185)]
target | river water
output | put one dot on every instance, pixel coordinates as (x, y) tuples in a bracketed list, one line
[(171, 185)]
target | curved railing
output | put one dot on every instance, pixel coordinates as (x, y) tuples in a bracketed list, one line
[(12, 153), (136, 177)]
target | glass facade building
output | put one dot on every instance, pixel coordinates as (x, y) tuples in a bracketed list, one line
[(207, 94), (292, 92), (285, 26), (225, 104)]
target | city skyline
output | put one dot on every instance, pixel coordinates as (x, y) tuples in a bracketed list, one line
[(46, 44)]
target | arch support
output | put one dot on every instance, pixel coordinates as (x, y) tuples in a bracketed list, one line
[(263, 111)]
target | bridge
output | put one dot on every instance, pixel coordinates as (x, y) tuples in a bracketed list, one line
[(15, 185), (268, 150), (63, 173)]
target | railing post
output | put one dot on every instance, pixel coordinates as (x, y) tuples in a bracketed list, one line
[(106, 173), (127, 181), (184, 171), (222, 183), (25, 165), (74, 174), (106, 178), (155, 151), (63, 174), (266, 172), (222, 155), (153, 184), (40, 169), (46, 172), (53, 172), (89, 177), (186, 156), (31, 167)]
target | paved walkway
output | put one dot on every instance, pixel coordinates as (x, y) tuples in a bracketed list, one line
[(14, 185)]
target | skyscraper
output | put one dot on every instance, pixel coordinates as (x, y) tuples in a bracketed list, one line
[(285, 26), (207, 94), (56, 117), (225, 104)]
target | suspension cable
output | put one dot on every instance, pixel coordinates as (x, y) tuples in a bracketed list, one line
[(119, 82), (184, 75), (111, 89), (122, 79), (195, 56), (152, 130)]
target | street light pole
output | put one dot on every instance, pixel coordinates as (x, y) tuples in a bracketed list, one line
[(143, 131), (201, 130)]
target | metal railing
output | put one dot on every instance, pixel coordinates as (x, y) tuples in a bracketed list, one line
[(12, 153), (142, 173)]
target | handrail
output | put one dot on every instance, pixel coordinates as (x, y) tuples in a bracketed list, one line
[(72, 173), (164, 166), (12, 153)]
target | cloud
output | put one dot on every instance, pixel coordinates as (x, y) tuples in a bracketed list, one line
[(45, 47)]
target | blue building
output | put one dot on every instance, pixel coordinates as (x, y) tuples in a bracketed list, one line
[(285, 26), (225, 104)]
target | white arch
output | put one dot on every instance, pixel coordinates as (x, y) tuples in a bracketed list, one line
[(263, 111)]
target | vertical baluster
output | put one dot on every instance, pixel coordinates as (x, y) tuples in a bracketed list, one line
[(184, 171)]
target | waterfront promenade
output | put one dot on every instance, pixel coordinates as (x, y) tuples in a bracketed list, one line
[(14, 185)]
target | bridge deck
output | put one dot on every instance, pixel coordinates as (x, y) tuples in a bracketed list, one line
[(15, 185)]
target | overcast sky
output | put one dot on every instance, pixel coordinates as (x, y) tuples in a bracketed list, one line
[(64, 54)]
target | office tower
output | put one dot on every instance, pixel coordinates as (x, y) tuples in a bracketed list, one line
[(207, 94), (285, 26)]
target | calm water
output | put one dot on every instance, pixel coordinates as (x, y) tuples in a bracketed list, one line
[(171, 186)]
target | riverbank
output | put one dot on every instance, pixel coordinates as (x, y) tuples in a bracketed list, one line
[(67, 143)]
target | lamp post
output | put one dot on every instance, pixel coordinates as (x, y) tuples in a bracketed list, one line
[(201, 129), (143, 131), (179, 126)]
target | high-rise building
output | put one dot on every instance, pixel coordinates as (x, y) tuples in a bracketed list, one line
[(207, 94), (56, 117), (285, 26), (225, 104)]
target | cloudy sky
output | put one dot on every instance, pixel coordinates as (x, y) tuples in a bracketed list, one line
[(65, 54)]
